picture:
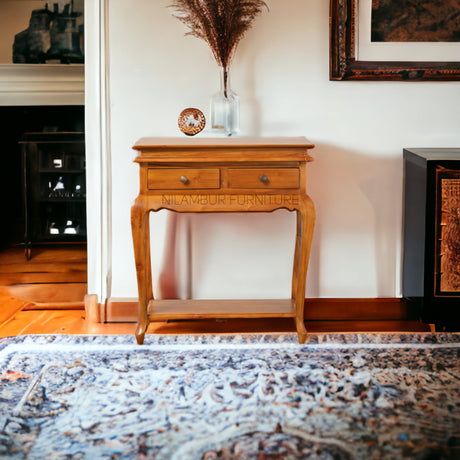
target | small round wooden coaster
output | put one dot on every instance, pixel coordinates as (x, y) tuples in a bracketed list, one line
[(191, 121)]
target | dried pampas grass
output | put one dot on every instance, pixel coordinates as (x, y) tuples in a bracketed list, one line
[(220, 23)]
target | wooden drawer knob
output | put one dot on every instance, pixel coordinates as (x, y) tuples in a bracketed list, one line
[(184, 180), (264, 179)]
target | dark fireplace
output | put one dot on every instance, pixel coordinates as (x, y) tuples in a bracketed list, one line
[(18, 120)]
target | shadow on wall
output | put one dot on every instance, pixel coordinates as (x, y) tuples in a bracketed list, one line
[(356, 244), (227, 255), (249, 105), (358, 200)]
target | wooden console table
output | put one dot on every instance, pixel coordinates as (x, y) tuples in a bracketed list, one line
[(222, 175)]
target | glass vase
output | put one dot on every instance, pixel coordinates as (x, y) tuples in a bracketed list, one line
[(225, 107)]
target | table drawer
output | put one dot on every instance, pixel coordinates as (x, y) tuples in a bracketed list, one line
[(180, 178), (263, 178)]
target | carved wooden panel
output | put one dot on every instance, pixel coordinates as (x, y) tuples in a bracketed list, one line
[(448, 203)]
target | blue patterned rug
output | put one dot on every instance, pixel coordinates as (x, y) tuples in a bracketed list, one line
[(339, 396)]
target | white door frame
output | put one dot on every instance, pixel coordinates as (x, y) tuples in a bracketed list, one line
[(97, 128)]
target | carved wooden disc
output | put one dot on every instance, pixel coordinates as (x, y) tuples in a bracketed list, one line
[(191, 121)]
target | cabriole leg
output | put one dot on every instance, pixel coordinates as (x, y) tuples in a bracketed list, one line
[(141, 241), (305, 226)]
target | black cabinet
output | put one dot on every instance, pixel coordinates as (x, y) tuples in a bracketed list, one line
[(431, 264), (54, 188)]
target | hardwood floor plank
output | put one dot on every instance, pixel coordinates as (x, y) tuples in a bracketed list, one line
[(59, 322), (49, 292), (54, 275), (7, 279), (283, 325), (44, 255), (73, 322), (9, 305), (49, 267)]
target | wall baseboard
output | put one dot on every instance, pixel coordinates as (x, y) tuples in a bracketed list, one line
[(121, 310), (368, 309)]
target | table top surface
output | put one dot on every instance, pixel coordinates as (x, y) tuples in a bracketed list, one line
[(222, 142), (168, 150)]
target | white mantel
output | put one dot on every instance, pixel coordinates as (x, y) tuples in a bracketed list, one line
[(42, 84)]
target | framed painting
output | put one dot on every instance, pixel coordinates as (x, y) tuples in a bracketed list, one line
[(366, 45)]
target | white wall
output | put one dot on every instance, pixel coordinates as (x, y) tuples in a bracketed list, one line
[(280, 72)]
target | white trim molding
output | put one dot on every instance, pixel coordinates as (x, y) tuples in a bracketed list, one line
[(97, 129), (42, 84)]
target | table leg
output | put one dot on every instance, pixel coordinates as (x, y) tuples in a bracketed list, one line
[(298, 245), (141, 241), (305, 226)]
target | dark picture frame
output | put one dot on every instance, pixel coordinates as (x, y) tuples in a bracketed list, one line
[(343, 64)]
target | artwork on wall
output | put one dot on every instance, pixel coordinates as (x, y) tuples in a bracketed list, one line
[(367, 44), (415, 21), (54, 35)]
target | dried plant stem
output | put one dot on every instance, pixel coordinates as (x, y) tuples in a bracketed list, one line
[(225, 83), (220, 23)]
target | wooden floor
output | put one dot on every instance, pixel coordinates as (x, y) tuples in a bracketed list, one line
[(73, 322), (53, 278), (54, 274), (45, 296)]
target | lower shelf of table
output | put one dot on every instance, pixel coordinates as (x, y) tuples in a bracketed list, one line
[(162, 310)]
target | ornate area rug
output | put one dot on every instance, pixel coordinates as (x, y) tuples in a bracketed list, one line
[(339, 396)]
